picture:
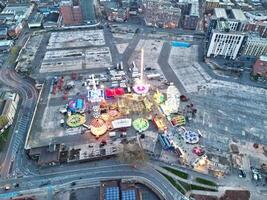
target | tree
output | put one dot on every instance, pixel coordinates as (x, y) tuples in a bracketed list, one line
[(3, 121), (14, 51)]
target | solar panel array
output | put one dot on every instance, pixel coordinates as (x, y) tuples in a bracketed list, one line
[(112, 193), (128, 195)]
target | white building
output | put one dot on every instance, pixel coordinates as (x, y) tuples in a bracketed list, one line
[(226, 44), (255, 46)]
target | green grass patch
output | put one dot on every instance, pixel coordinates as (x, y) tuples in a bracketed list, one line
[(206, 182), (177, 172), (183, 187), (174, 183), (189, 187), (196, 187), (14, 52)]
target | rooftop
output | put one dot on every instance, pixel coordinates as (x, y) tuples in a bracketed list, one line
[(257, 16), (257, 37), (36, 18), (6, 42), (239, 14), (115, 189), (236, 14), (220, 13), (149, 142), (3, 31), (20, 11), (194, 11)]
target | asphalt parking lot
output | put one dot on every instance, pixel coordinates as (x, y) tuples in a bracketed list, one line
[(70, 39), (230, 111), (76, 59)]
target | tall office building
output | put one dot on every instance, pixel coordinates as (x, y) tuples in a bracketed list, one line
[(71, 14), (224, 42), (88, 10), (191, 20)]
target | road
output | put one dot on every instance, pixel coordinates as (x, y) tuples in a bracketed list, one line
[(28, 95), (55, 180), (166, 68)]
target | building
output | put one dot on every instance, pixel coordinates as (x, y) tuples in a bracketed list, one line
[(55, 153), (256, 27), (19, 11), (71, 14), (5, 45), (2, 5), (257, 22), (15, 16), (226, 4), (8, 106), (220, 13), (149, 142), (210, 5), (47, 155), (226, 44), (48, 9), (235, 17), (36, 20), (255, 46), (260, 67), (122, 14), (51, 20), (88, 10), (184, 6), (161, 14), (117, 189), (191, 20), (117, 12), (3, 33)]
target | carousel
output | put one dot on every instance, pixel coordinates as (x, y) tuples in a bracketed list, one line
[(98, 127), (140, 124), (76, 120)]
